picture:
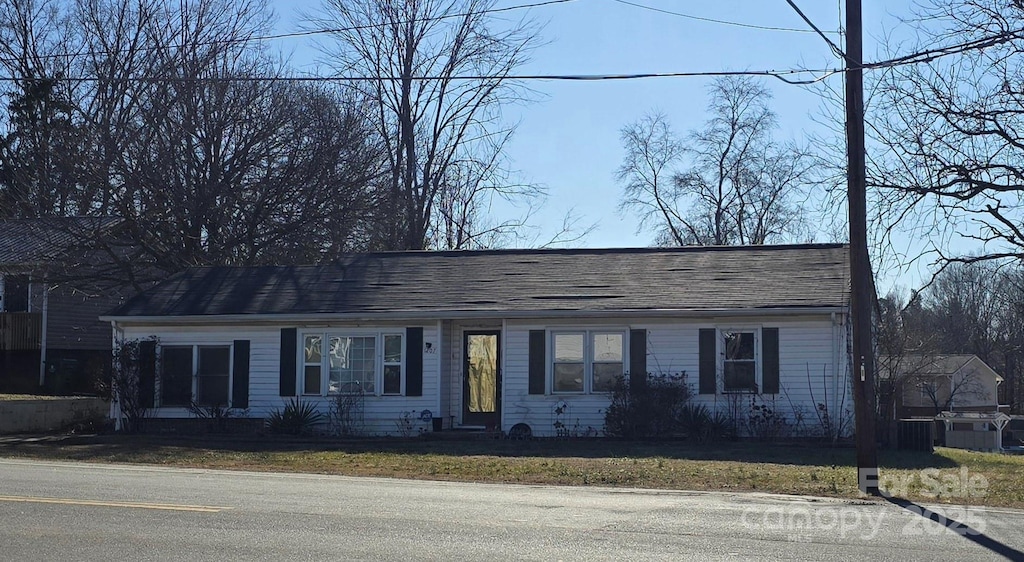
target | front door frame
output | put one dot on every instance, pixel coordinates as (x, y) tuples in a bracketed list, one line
[(488, 419)]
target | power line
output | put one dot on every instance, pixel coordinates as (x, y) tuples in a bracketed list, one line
[(783, 75), (306, 33), (939, 52), (835, 48), (712, 20)]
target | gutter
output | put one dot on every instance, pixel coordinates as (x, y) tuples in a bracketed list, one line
[(250, 319)]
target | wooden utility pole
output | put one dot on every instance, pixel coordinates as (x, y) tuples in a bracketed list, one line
[(862, 292)]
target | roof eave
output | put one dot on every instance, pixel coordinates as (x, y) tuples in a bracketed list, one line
[(473, 314)]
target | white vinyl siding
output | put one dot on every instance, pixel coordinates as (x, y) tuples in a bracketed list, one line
[(811, 351), (809, 355), (379, 412)]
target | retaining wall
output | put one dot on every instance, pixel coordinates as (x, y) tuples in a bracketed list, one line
[(51, 414)]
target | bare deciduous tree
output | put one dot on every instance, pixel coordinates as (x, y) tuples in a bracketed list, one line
[(653, 150), (943, 392), (969, 308), (729, 183), (38, 151), (171, 126), (442, 133), (949, 132)]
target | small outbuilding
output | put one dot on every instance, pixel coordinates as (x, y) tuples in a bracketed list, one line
[(977, 431)]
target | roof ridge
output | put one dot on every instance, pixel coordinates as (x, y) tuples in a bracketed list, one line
[(614, 250), (546, 251)]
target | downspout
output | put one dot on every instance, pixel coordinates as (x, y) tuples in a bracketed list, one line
[(115, 407), (501, 370), (835, 414), (439, 354), (452, 372), (42, 340)]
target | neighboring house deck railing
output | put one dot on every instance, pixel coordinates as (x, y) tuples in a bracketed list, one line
[(20, 331)]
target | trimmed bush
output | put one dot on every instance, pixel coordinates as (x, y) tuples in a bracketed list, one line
[(648, 411)]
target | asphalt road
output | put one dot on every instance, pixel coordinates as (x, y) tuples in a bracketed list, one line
[(73, 511)]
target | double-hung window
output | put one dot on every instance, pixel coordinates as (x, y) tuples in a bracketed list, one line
[(335, 363), (740, 360), (586, 361), (312, 367), (176, 376), (195, 373), (392, 364), (213, 375)]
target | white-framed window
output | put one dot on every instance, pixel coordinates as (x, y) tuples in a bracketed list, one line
[(586, 361), (353, 362), (393, 382), (195, 373), (740, 370), (312, 364)]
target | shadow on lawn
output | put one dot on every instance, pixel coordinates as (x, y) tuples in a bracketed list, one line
[(115, 446)]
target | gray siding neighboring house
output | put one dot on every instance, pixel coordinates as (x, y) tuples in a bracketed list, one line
[(493, 339), (929, 383), (50, 332)]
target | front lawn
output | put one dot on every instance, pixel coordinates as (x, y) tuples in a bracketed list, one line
[(948, 475)]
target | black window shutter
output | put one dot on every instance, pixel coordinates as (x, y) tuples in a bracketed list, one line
[(240, 375), (537, 361), (289, 340), (637, 358), (769, 360), (414, 361), (708, 361), (147, 372)]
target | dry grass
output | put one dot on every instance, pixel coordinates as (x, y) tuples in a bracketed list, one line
[(728, 467)]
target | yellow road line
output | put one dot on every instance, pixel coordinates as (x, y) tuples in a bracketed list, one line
[(97, 503)]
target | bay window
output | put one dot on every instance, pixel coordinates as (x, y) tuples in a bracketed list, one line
[(353, 364), (364, 363)]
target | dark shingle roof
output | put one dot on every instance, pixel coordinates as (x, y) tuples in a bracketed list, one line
[(448, 283), (34, 241)]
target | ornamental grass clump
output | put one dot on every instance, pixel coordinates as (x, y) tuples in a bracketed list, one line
[(296, 418)]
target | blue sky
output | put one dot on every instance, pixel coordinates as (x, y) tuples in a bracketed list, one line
[(568, 139)]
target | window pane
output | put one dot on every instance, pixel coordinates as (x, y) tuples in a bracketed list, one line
[(568, 377), (739, 345), (212, 390), (392, 379), (312, 349), (176, 376), (605, 375), (214, 360), (608, 347), (311, 380), (739, 375), (392, 349), (212, 381), (338, 355), (568, 347), (353, 363)]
